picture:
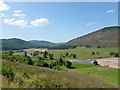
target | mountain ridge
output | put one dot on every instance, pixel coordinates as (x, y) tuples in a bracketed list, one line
[(100, 38), (106, 37)]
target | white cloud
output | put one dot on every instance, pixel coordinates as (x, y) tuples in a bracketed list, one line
[(19, 15), (17, 11), (40, 22), (3, 6), (2, 15), (110, 11), (92, 23), (21, 23)]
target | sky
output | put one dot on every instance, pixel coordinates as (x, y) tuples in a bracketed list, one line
[(55, 21)]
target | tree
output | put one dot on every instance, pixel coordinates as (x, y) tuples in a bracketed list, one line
[(97, 52), (112, 53), (10, 53), (60, 61), (45, 54), (66, 54), (25, 54), (67, 64), (117, 55), (98, 47), (30, 62), (95, 63), (93, 53), (51, 56), (74, 56)]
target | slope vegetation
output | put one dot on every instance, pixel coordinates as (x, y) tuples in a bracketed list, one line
[(106, 37), (39, 77)]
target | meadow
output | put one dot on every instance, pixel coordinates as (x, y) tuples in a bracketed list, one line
[(109, 75), (84, 53)]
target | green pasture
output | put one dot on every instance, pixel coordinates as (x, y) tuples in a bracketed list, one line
[(84, 53), (109, 75)]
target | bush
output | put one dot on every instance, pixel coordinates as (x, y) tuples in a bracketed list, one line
[(67, 64), (93, 53), (7, 71), (95, 63), (114, 54), (25, 75), (58, 67)]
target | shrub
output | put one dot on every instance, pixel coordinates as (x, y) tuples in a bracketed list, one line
[(25, 75), (97, 52), (7, 71), (66, 54), (98, 47), (117, 55), (95, 63), (58, 67), (93, 53), (67, 64), (74, 56), (112, 53)]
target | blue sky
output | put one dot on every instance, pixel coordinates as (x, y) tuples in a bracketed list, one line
[(56, 21)]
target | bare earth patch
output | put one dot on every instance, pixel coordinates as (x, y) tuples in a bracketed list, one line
[(109, 62)]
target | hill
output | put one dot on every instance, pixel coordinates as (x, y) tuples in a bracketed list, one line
[(106, 37), (16, 44), (27, 76), (42, 43)]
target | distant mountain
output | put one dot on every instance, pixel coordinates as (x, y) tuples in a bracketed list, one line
[(16, 44), (106, 37), (43, 43)]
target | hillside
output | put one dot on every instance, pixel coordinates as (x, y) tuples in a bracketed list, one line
[(39, 77), (15, 44), (42, 43), (106, 37)]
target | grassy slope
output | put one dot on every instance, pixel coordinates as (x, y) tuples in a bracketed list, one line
[(50, 78), (85, 53), (107, 74), (107, 37)]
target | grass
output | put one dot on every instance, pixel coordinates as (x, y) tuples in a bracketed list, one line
[(81, 76), (110, 75), (85, 53), (81, 52), (48, 78)]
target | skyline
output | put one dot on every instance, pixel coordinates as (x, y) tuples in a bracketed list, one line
[(56, 22)]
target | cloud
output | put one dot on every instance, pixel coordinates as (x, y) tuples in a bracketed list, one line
[(19, 15), (40, 22), (3, 6), (2, 15), (21, 23), (110, 11), (92, 23), (17, 11)]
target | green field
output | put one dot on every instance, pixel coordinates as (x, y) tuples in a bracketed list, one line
[(110, 75), (84, 53)]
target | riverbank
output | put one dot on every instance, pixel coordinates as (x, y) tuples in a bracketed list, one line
[(107, 62)]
